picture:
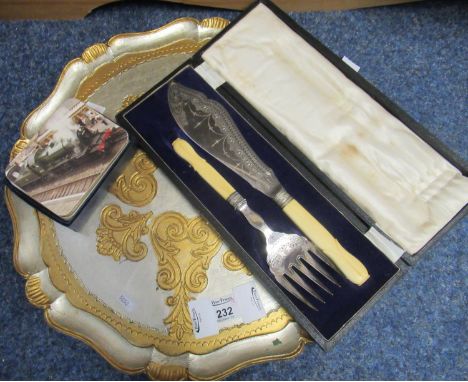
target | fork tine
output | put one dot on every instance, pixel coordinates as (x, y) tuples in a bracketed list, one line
[(299, 265), (319, 253), (286, 284), (298, 280), (310, 260)]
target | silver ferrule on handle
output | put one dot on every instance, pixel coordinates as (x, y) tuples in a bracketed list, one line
[(240, 204), (282, 197), (237, 201)]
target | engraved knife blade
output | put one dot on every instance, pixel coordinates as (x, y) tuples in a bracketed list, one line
[(211, 127)]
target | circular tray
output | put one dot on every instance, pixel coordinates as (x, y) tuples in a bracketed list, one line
[(121, 277)]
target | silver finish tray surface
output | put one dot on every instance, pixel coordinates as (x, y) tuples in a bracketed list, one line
[(122, 290)]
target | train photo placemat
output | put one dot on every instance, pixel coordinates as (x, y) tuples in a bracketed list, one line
[(66, 160)]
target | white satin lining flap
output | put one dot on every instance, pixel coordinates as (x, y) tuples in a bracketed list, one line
[(405, 186), (209, 75)]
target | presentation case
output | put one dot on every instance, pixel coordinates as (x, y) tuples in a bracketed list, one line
[(372, 177)]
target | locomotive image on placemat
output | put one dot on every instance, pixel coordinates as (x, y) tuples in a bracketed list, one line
[(63, 161)]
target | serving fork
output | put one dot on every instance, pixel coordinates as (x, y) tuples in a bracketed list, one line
[(288, 255)]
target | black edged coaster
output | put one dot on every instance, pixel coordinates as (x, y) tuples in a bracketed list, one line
[(66, 161)]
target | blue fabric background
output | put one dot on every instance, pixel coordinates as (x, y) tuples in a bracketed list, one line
[(416, 54)]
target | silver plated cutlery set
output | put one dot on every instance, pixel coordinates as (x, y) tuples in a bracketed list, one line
[(293, 260)]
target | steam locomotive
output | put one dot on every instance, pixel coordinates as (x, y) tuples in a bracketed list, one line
[(53, 157)]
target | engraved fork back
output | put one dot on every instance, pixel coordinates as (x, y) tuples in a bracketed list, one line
[(287, 254)]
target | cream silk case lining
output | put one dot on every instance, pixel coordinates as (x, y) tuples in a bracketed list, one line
[(404, 185)]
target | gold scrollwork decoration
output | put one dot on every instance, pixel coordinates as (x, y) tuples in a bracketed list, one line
[(114, 68), (67, 282), (20, 144), (232, 263), (163, 372), (118, 234), (94, 52), (214, 22), (137, 185), (34, 293), (184, 249)]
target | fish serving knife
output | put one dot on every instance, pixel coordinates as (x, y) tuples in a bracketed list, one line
[(211, 127)]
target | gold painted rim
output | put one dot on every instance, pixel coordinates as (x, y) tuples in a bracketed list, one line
[(60, 328), (16, 235), (303, 341), (35, 294), (93, 52), (110, 70), (89, 55), (211, 22), (37, 109)]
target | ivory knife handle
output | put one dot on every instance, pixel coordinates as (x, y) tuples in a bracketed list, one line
[(203, 168), (351, 267), (348, 265)]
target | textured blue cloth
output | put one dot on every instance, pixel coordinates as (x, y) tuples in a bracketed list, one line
[(415, 53)]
